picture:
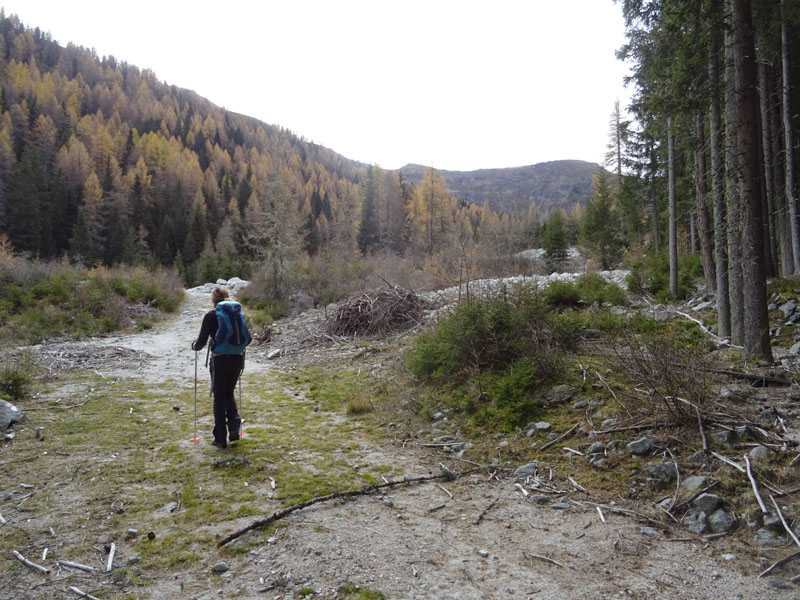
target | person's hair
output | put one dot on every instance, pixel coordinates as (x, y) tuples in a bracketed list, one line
[(218, 295)]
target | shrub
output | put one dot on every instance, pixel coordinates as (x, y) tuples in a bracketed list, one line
[(651, 275), (15, 382)]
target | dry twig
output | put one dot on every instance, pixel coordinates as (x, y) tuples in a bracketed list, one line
[(755, 486), (561, 437), (30, 564)]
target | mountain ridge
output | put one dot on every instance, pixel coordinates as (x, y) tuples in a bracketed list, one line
[(552, 184)]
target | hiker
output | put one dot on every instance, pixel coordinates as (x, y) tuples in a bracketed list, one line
[(226, 367)]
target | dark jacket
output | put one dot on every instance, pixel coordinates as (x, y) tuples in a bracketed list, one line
[(207, 330)]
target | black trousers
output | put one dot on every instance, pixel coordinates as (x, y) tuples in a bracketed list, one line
[(225, 371)]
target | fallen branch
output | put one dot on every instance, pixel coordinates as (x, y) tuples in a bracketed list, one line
[(777, 564), (82, 594), (72, 565), (785, 525), (528, 555), (110, 562), (728, 461), (561, 437), (610, 391), (602, 516), (30, 564), (486, 510), (700, 425), (755, 486), (364, 491)]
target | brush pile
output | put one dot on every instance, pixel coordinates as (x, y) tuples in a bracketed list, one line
[(376, 313)]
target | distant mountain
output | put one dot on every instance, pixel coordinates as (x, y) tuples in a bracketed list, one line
[(555, 184)]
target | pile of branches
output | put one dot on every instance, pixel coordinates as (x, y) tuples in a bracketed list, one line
[(376, 313)]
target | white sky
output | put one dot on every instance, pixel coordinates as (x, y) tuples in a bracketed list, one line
[(453, 84)]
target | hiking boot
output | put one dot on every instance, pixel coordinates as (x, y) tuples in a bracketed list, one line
[(234, 436), (219, 444)]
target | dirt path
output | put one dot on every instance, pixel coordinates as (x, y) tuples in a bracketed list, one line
[(473, 538)]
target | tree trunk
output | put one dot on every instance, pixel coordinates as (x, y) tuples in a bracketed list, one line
[(734, 213), (704, 232), (673, 212), (791, 200), (766, 146), (718, 192), (756, 319)]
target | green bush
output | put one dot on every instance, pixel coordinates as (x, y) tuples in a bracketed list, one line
[(651, 275), (508, 347), (15, 382)]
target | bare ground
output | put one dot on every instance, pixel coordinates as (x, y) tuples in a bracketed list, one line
[(476, 537)]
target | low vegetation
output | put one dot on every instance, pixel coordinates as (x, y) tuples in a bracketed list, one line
[(41, 300)]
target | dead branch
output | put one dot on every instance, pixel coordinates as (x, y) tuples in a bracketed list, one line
[(528, 555), (728, 461), (364, 491), (72, 565), (377, 312), (29, 564), (755, 485), (110, 562), (561, 437), (751, 377), (75, 590), (777, 564), (783, 520), (486, 510), (700, 426)]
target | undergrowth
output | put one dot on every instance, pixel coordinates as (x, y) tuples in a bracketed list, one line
[(41, 300)]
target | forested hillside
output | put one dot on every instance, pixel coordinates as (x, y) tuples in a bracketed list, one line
[(102, 162), (555, 184)]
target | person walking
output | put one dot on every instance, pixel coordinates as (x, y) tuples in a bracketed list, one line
[(226, 368)]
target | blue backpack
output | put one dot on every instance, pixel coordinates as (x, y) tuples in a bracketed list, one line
[(232, 334)]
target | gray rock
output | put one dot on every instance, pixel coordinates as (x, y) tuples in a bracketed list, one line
[(640, 446), (561, 394), (528, 470), (772, 521), (649, 531), (444, 439), (597, 448), (664, 472), (695, 482), (613, 445), (300, 302), (698, 457), (788, 308), (696, 521), (768, 414), (618, 310), (561, 505), (759, 453), (723, 437), (542, 426), (579, 405), (765, 537), (707, 502), (609, 423), (166, 510), (539, 499), (598, 463), (721, 521), (220, 567), (552, 436), (795, 349), (8, 414), (734, 393)]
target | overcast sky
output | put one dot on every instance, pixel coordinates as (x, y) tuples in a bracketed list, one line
[(456, 85)]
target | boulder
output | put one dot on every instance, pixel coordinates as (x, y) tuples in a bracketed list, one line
[(721, 521), (528, 470), (8, 414), (561, 394), (640, 446)]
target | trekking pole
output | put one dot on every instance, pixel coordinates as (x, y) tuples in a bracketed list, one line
[(241, 399), (195, 439)]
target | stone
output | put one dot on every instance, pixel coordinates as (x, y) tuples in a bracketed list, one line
[(772, 521), (768, 414), (734, 393), (561, 505), (8, 414), (725, 436), (609, 423), (528, 470), (695, 482), (698, 457), (707, 502), (561, 394), (166, 510), (618, 310), (795, 349), (220, 567), (597, 448), (543, 426), (765, 537), (759, 453), (579, 405), (649, 531), (640, 446), (663, 471), (721, 521), (696, 521), (539, 499)]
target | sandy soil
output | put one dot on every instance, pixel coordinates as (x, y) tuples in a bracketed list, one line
[(473, 538)]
